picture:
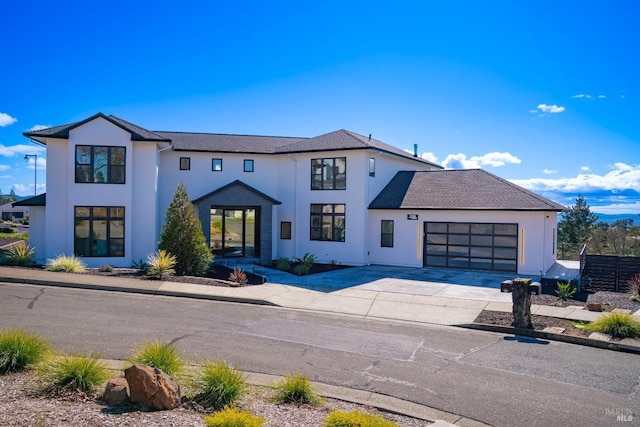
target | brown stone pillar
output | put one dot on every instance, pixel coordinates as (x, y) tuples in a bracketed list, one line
[(521, 304)]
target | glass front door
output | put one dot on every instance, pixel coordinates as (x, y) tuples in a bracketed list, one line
[(234, 231)]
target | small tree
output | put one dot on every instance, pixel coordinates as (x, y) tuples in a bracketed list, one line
[(182, 236), (575, 226)]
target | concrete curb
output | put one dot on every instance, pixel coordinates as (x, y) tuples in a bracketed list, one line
[(571, 339)]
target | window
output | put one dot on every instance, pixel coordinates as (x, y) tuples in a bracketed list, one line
[(372, 166), (329, 174), (216, 165), (99, 231), (97, 164), (248, 165), (386, 233), (285, 230), (185, 163), (327, 222)]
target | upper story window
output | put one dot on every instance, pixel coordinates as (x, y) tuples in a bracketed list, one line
[(329, 173), (185, 163), (372, 166), (216, 165), (248, 165), (100, 164)]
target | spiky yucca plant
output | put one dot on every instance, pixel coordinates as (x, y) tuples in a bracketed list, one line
[(160, 264), (22, 254)]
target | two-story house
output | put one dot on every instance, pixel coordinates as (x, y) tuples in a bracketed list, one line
[(341, 196)]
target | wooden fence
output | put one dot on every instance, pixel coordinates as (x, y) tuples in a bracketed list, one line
[(610, 272)]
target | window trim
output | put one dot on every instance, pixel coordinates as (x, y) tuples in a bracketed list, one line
[(383, 234), (91, 164), (372, 166), (247, 162), (213, 165), (334, 179), (333, 215), (185, 163), (285, 234), (107, 219)]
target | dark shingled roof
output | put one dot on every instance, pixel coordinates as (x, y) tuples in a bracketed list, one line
[(472, 189), (224, 143), (39, 200), (238, 183), (62, 132)]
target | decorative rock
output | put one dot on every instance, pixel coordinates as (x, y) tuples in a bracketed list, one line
[(594, 306), (521, 304), (117, 392), (553, 329), (152, 388)]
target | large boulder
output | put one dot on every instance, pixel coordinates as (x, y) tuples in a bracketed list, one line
[(152, 388), (117, 392)]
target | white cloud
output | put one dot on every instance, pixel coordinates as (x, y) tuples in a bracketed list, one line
[(617, 208), (495, 159), (621, 177), (4, 168), (20, 150), (548, 109), (582, 95), (601, 96), (6, 120), (42, 163), (585, 168), (429, 157), (549, 171), (6, 176), (38, 127)]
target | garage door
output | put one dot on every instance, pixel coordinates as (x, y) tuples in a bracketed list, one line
[(476, 246)]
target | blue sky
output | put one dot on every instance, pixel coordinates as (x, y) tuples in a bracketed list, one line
[(543, 93)]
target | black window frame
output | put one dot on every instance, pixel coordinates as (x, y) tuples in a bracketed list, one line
[(285, 230), (91, 169), (114, 247), (185, 163), (213, 164), (247, 162), (389, 235), (318, 216), (319, 181)]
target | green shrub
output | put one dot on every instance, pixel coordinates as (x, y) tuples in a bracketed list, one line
[(232, 417), (295, 388), (8, 230), (565, 290), (283, 264), (160, 264), (356, 418), (618, 325), (139, 265), (159, 354), (20, 349), (22, 254), (304, 264), (182, 236), (238, 276), (218, 385), (77, 373), (105, 268), (68, 264)]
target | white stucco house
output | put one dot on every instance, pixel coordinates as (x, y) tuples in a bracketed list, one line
[(341, 196), (8, 212)]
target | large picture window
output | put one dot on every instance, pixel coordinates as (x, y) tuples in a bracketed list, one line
[(100, 165), (329, 173), (99, 231), (327, 222)]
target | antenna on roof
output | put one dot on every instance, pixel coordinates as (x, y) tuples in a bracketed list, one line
[(415, 150), (369, 137)]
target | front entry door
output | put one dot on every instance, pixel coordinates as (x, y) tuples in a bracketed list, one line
[(234, 232)]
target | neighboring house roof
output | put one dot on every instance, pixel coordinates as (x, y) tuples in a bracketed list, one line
[(225, 143), (39, 200), (237, 183), (470, 189), (62, 132)]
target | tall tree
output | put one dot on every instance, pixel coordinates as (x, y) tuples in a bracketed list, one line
[(182, 236), (575, 226)]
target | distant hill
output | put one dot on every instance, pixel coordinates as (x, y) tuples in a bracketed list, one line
[(609, 218)]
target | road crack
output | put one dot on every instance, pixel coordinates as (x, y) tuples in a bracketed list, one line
[(35, 299)]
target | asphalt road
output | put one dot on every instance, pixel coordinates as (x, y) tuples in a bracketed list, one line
[(497, 379)]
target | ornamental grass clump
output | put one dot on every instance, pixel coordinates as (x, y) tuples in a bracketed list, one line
[(218, 384), (67, 264), (74, 373), (356, 418), (20, 349), (159, 354), (160, 264), (22, 255), (618, 325), (295, 388), (232, 417)]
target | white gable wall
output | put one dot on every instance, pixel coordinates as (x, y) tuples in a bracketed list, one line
[(57, 222)]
